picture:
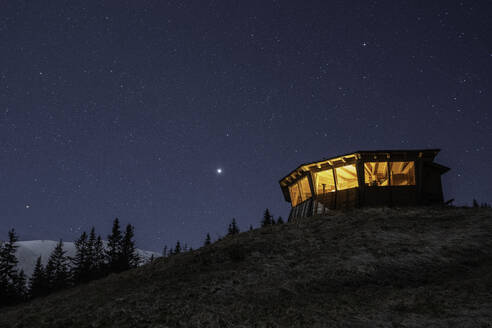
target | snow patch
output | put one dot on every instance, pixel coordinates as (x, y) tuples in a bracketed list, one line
[(28, 252)]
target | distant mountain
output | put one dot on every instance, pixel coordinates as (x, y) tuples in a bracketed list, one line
[(398, 267), (28, 251)]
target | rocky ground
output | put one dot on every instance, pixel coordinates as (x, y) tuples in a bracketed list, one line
[(411, 267)]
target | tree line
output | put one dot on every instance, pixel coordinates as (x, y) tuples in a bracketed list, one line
[(481, 205), (92, 260), (232, 229)]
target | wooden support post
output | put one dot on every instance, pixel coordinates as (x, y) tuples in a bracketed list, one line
[(419, 172), (359, 165)]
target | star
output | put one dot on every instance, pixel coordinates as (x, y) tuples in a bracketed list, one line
[(28, 206), (218, 171)]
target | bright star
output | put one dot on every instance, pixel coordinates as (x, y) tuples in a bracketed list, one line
[(27, 205), (219, 171)]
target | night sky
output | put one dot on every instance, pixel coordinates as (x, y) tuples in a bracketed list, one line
[(129, 108)]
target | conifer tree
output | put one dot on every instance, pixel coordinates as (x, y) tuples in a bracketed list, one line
[(20, 287), (91, 244), (208, 240), (95, 255), (57, 269), (250, 227), (177, 249), (81, 262), (8, 272), (99, 261), (38, 285), (165, 251), (280, 220), (114, 247), (129, 257), (8, 260), (267, 218), (233, 228)]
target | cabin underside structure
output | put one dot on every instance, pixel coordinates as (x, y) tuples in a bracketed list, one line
[(364, 178)]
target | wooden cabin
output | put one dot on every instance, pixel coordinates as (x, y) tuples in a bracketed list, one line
[(364, 178)]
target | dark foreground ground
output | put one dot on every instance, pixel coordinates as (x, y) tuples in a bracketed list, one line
[(411, 267)]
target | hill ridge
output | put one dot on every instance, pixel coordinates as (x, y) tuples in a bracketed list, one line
[(360, 268)]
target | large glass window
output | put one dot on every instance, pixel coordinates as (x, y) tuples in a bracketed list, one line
[(299, 191), (295, 195), (324, 182), (402, 173), (376, 174), (305, 188), (346, 177)]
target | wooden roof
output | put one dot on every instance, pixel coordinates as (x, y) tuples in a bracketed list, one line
[(427, 154)]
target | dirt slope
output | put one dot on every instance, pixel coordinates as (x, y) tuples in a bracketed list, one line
[(364, 268)]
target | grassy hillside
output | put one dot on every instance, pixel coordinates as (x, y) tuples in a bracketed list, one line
[(363, 268)]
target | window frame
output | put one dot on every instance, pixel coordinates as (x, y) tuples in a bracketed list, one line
[(388, 169), (356, 175), (405, 185), (298, 185), (315, 182), (299, 182), (388, 173)]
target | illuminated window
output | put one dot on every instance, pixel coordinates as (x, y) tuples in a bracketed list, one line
[(305, 189), (346, 177), (402, 173), (295, 195), (324, 182), (376, 174), (300, 191)]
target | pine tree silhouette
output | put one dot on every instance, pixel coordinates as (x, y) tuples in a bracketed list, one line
[(165, 251), (114, 250), (20, 287), (129, 257), (82, 261), (233, 228), (38, 285), (177, 249), (208, 240), (8, 259), (57, 269), (95, 255), (91, 244), (280, 220), (8, 272), (98, 268), (267, 218)]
